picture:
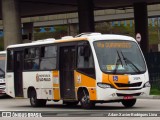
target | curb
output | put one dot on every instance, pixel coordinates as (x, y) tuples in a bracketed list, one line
[(152, 97), (155, 96)]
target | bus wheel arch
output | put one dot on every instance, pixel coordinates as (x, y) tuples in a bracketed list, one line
[(29, 91), (84, 98), (32, 94)]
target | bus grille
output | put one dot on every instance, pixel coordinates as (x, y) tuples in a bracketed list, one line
[(135, 94), (129, 85), (2, 83)]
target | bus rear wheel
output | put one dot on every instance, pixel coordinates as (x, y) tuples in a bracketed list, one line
[(71, 103), (129, 103), (36, 102), (85, 101)]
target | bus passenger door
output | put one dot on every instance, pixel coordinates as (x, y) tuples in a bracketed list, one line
[(67, 65), (18, 84)]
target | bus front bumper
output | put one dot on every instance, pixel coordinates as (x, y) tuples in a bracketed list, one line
[(110, 94)]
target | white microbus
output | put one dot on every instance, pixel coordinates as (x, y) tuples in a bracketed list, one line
[(2, 72), (89, 68)]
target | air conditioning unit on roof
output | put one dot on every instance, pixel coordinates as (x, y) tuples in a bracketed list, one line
[(88, 34), (66, 37), (48, 39)]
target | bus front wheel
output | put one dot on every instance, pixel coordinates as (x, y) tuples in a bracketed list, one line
[(36, 102), (85, 101), (129, 103)]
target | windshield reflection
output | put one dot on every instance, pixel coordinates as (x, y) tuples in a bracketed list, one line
[(119, 57)]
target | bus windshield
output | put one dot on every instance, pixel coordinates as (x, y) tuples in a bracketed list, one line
[(119, 57), (2, 65)]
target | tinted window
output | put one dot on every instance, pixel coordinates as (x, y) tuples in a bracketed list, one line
[(31, 58), (85, 62), (119, 57), (48, 57), (10, 60)]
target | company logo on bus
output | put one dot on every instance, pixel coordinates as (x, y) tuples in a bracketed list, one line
[(43, 77)]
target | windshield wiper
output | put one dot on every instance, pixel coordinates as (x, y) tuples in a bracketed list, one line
[(118, 59), (127, 60)]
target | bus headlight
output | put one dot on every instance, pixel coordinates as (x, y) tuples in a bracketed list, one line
[(104, 85), (147, 84)]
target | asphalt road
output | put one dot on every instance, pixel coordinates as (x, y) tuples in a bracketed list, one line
[(63, 112)]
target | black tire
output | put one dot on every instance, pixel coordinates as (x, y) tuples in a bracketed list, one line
[(85, 101), (71, 103), (36, 102), (42, 103), (129, 103)]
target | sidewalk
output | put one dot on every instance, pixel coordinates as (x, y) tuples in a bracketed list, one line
[(153, 97)]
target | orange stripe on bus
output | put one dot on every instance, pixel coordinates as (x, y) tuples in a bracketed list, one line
[(56, 93), (82, 80), (92, 94), (105, 78), (56, 90), (121, 79), (55, 85), (55, 73), (69, 40)]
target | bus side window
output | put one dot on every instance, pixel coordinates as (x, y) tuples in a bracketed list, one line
[(48, 58), (85, 62), (9, 58), (42, 51), (31, 60), (26, 54)]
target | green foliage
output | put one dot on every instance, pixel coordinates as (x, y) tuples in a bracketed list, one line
[(103, 27), (1, 44), (56, 35), (155, 91), (155, 88), (153, 35), (60, 32), (60, 28), (107, 28)]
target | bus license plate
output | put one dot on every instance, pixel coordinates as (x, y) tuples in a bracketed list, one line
[(127, 97)]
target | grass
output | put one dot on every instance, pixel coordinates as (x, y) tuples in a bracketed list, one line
[(154, 91)]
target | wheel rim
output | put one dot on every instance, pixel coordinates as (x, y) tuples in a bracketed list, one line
[(33, 99), (85, 100)]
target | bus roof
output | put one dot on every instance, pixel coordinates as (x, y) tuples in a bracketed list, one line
[(45, 41), (81, 37)]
